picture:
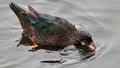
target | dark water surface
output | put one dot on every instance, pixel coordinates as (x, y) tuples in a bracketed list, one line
[(99, 17)]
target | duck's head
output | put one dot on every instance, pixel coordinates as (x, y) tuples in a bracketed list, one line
[(85, 42)]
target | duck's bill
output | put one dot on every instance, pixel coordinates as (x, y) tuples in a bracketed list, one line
[(92, 47), (17, 9)]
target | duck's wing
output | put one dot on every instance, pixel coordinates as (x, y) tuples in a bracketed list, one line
[(43, 23), (51, 25)]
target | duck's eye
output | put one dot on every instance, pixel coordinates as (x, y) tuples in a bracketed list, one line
[(82, 43)]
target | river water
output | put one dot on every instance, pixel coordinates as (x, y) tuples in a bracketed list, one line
[(99, 17)]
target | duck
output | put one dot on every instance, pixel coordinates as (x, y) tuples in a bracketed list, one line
[(48, 30)]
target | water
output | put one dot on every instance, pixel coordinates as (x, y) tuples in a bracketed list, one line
[(99, 17)]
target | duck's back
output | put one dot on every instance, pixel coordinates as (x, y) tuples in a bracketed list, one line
[(55, 31), (51, 30)]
